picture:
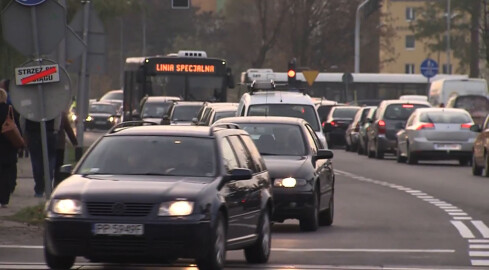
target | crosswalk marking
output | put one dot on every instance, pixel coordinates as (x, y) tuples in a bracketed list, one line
[(462, 229), (484, 230)]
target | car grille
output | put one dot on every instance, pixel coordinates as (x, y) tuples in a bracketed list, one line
[(119, 246), (119, 209)]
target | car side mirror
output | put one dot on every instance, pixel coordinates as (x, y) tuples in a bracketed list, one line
[(165, 120), (195, 121), (475, 128), (240, 174), (65, 171), (324, 154)]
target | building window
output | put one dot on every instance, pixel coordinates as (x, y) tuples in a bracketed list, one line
[(447, 70), (410, 14), (409, 68), (410, 42)]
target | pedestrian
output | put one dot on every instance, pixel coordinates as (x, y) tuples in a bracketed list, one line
[(8, 157), (65, 129), (32, 135)]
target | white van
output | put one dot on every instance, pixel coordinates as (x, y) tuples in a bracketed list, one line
[(266, 101), (441, 90)]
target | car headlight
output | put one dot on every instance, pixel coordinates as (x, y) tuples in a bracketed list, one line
[(67, 207), (89, 118), (176, 208), (73, 117), (111, 119), (289, 182)]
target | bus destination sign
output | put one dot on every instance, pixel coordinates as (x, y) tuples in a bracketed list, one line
[(185, 68)]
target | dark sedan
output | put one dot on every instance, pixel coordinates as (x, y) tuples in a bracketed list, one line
[(302, 172), (157, 193), (339, 118), (480, 154)]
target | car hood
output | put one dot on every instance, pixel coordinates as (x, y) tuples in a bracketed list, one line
[(154, 120), (133, 187), (286, 166)]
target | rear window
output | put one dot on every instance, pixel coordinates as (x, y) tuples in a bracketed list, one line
[(185, 113), (445, 118), (475, 105), (306, 112), (401, 111), (323, 111), (340, 112), (154, 109)]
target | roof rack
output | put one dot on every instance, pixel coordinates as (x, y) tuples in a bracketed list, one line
[(223, 125), (128, 124), (262, 85)]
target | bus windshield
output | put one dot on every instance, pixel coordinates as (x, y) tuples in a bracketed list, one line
[(200, 88)]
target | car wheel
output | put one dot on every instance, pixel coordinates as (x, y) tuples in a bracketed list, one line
[(476, 170), (378, 153), (311, 222), (359, 149), (399, 157), (57, 262), (486, 165), (370, 153), (411, 157), (260, 251), (216, 256), (326, 217)]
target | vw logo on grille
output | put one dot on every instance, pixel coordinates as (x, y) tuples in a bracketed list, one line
[(118, 208)]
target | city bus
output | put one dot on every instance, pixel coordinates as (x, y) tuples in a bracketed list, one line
[(365, 86), (190, 75)]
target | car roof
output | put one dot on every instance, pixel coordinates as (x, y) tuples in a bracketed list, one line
[(280, 97), (442, 110), (263, 119), (220, 104), (399, 101), (188, 103), (165, 130), (225, 109), (345, 107), (103, 103), (161, 98)]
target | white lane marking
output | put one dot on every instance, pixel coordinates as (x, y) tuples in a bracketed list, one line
[(480, 262), (481, 227), (479, 253), (21, 246), (478, 241), (479, 246), (462, 229), (364, 250), (458, 214), (453, 210), (425, 197), (462, 218), (448, 207)]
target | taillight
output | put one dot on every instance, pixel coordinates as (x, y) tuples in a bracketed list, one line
[(381, 125), (466, 125), (426, 126), (334, 124), (323, 123), (407, 105)]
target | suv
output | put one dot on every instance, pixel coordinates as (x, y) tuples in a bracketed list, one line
[(128, 201), (181, 113), (264, 100), (391, 116), (154, 107)]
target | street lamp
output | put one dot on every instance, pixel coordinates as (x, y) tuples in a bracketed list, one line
[(357, 36)]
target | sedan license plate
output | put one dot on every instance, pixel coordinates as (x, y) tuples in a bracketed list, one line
[(448, 146), (117, 229)]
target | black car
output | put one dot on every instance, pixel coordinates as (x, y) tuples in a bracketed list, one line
[(181, 113), (157, 193), (302, 172), (338, 120), (352, 134), (102, 115)]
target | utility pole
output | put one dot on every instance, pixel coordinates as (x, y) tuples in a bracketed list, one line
[(357, 36), (449, 19)]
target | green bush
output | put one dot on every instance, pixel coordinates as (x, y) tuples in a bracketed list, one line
[(33, 215)]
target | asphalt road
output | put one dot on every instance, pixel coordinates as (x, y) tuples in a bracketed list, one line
[(387, 216)]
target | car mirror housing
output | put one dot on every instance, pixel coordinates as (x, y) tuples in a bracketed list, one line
[(475, 128), (65, 171), (240, 174), (165, 120), (324, 154)]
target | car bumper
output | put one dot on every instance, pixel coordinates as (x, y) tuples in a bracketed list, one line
[(386, 145), (160, 240), (292, 202), (431, 150)]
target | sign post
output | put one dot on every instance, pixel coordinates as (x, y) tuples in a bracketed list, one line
[(347, 79), (429, 69)]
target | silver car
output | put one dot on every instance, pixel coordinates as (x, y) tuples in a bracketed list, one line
[(436, 134)]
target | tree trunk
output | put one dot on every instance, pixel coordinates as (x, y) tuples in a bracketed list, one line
[(474, 39)]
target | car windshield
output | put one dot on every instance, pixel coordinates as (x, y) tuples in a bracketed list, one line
[(151, 155), (185, 113), (224, 114), (401, 111), (475, 105), (347, 113), (113, 95), (306, 112), (276, 139), (103, 108), (445, 117), (154, 109)]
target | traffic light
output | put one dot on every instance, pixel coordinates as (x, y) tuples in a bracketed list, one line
[(291, 73)]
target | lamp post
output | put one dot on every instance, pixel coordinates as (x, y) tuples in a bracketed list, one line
[(357, 36), (449, 18)]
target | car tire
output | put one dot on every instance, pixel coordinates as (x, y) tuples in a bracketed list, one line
[(370, 153), (259, 252), (399, 158), (411, 157), (57, 262), (378, 153), (486, 165), (360, 149), (326, 217), (476, 170), (310, 223), (216, 256)]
